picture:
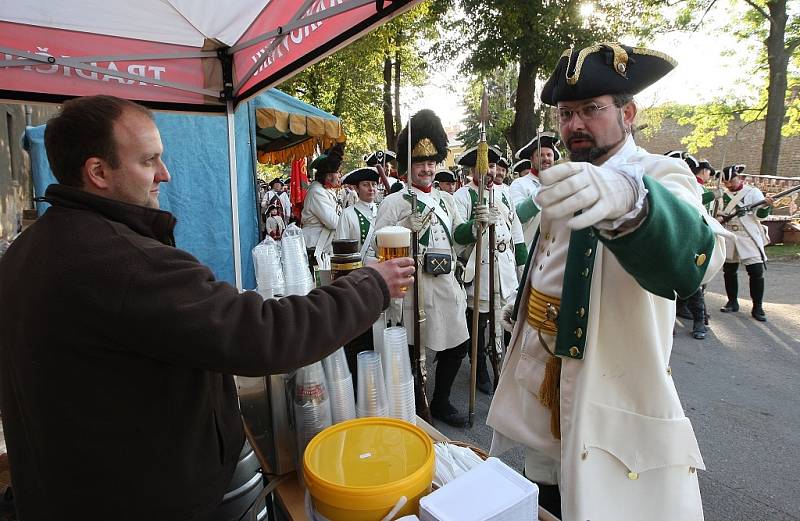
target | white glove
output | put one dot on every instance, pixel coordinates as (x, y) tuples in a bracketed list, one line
[(494, 215), (507, 317), (717, 192), (480, 214), (418, 221), (602, 194)]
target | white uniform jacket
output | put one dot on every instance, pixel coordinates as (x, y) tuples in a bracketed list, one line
[(509, 244), (627, 451), (748, 236), (285, 203), (356, 221), (444, 300), (320, 217), (523, 191)]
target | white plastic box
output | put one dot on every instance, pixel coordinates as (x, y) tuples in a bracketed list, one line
[(492, 491)]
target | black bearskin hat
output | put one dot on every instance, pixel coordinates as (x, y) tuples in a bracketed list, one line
[(429, 140)]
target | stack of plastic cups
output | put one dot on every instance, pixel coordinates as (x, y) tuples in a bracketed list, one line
[(371, 386), (340, 386), (397, 371), (269, 272), (311, 404), (296, 274)]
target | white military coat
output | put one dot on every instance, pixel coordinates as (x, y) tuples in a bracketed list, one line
[(508, 234), (444, 299), (748, 235), (320, 217), (522, 189), (351, 225), (627, 451)]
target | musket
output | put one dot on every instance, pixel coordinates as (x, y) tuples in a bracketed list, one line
[(493, 354), (481, 169), (417, 348), (741, 210)]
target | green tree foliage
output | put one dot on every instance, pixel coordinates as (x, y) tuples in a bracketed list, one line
[(349, 83), (500, 86)]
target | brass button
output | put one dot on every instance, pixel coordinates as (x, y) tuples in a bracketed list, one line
[(581, 312), (691, 470), (540, 267), (585, 454), (669, 370), (578, 333), (548, 253), (621, 68), (588, 252), (585, 272), (547, 236), (574, 351), (700, 259), (554, 239), (633, 475)]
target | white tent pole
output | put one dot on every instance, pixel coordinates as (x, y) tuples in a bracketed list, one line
[(237, 249)]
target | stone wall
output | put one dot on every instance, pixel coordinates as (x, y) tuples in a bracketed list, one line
[(16, 187), (740, 145)]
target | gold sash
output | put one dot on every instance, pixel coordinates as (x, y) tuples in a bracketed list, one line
[(543, 316)]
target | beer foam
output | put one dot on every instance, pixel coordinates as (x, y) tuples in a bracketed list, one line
[(393, 237)]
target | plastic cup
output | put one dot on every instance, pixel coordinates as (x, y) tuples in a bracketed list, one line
[(311, 404), (372, 399)]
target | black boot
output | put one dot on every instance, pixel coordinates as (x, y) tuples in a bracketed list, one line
[(447, 365), (756, 273), (731, 287), (697, 307), (550, 499), (682, 308), (699, 330), (482, 382)]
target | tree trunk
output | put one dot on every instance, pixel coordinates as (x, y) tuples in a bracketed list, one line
[(778, 59), (338, 105), (398, 121), (526, 121), (388, 118)]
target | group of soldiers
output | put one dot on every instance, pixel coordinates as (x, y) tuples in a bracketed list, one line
[(589, 255)]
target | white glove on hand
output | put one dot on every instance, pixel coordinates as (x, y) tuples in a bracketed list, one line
[(480, 214), (507, 317), (602, 194), (494, 215), (418, 221)]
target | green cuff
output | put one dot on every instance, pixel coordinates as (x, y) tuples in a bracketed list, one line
[(527, 210), (520, 253), (463, 233), (707, 197), (763, 212), (671, 250)]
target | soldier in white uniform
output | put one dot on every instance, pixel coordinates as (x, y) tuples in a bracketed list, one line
[(446, 180), (501, 171), (383, 161), (356, 221), (746, 246), (321, 207), (277, 196), (586, 385), (440, 227), (509, 250), (542, 151)]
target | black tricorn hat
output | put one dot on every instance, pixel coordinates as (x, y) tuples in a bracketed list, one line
[(428, 140), (379, 156), (445, 175), (545, 140), (470, 156), (503, 162), (677, 154), (705, 164), (732, 171), (604, 68), (519, 166), (693, 162), (329, 161), (365, 173)]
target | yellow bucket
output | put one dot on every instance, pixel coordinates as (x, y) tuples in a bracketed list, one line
[(357, 470)]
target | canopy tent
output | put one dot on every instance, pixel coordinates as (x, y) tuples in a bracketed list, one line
[(288, 129), (191, 55)]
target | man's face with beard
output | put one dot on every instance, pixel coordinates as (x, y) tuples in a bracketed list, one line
[(543, 158), (594, 129)]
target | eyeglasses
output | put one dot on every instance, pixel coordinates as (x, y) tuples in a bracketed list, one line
[(586, 113)]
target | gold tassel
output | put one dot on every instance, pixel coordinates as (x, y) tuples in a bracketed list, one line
[(482, 161), (550, 394)]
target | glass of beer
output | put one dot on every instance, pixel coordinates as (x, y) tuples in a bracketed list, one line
[(393, 242)]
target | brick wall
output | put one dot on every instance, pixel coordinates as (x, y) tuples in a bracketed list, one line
[(743, 146)]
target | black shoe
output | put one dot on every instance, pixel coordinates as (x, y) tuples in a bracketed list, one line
[(450, 415), (698, 335), (484, 387), (684, 312), (730, 308), (698, 330), (759, 315)]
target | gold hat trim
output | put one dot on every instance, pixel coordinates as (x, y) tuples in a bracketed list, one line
[(620, 58), (424, 148)]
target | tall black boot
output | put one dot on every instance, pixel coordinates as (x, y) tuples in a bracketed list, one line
[(697, 308), (447, 366), (731, 286), (756, 273), (682, 308), (482, 382)]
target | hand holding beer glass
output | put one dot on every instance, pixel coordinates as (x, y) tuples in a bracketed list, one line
[(393, 242)]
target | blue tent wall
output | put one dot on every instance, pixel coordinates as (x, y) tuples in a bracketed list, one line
[(196, 154)]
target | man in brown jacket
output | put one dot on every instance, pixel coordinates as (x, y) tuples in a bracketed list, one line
[(118, 348)]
